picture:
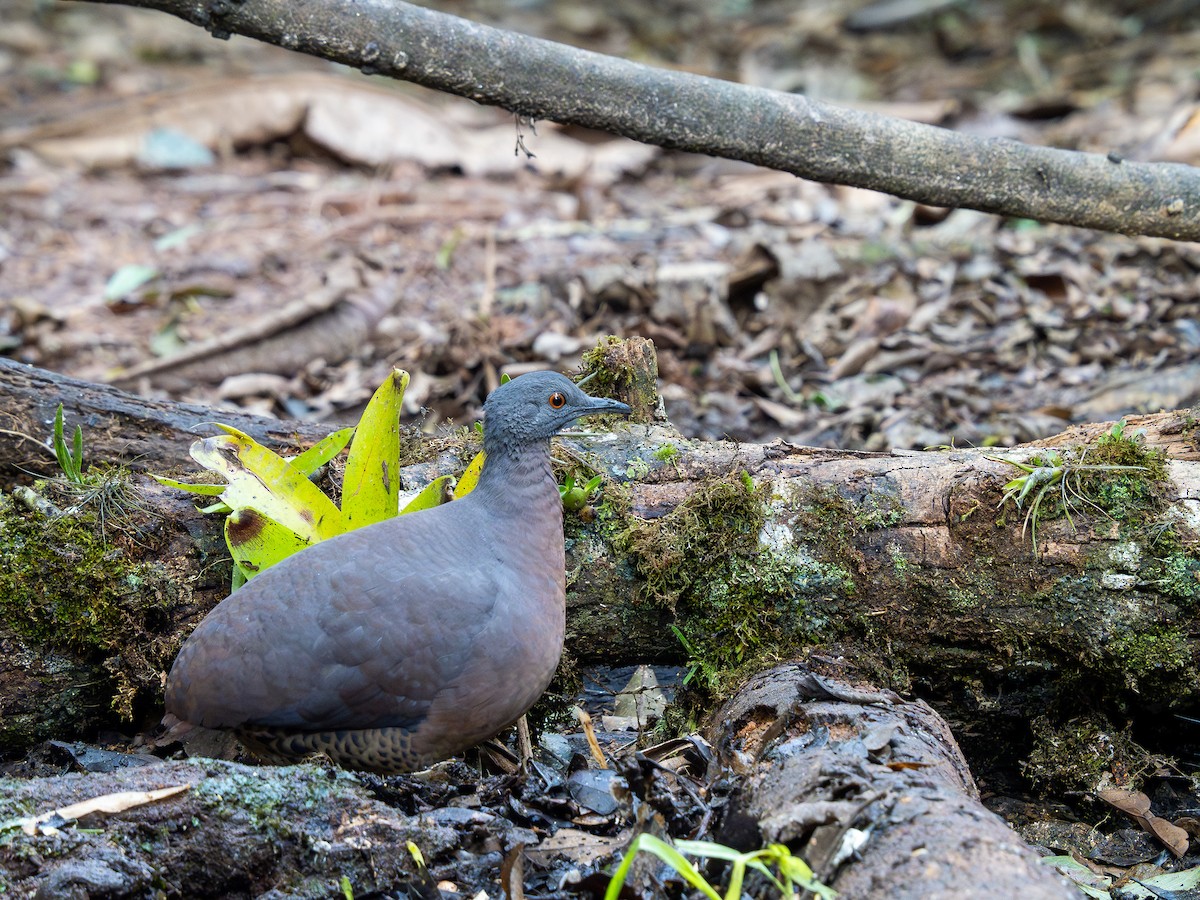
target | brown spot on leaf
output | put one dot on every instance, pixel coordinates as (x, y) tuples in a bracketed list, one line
[(244, 526)]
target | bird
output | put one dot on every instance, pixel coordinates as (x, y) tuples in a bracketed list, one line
[(402, 643)]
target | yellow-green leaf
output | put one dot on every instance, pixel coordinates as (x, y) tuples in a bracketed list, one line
[(435, 493), (261, 479), (322, 451), (258, 542), (371, 483), (207, 490), (470, 478)]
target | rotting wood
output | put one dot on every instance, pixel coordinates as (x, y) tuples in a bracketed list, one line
[(902, 561), (872, 791)]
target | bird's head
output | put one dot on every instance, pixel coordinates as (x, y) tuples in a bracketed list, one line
[(535, 407)]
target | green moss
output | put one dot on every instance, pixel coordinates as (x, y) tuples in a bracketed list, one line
[(1078, 754), (737, 602), (238, 793), (597, 362), (1156, 652), (625, 368), (637, 469), (1118, 477), (878, 510), (64, 587), (1180, 577), (1124, 495), (666, 453)]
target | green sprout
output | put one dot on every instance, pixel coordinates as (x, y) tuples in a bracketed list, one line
[(69, 460), (576, 496), (793, 872), (697, 664), (106, 488)]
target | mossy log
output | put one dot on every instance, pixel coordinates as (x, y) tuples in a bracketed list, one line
[(908, 563), (870, 790)]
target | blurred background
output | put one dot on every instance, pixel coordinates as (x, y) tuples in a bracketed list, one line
[(234, 223)]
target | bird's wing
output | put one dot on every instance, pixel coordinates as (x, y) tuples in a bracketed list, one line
[(360, 631)]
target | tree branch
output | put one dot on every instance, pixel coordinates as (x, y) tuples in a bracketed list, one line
[(541, 79)]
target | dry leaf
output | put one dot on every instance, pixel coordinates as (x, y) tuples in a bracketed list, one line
[(106, 803)]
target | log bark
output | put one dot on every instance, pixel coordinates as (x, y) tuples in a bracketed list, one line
[(903, 561), (540, 79), (870, 790), (121, 428)]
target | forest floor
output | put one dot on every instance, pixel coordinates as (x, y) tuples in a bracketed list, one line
[(162, 192), (465, 244)]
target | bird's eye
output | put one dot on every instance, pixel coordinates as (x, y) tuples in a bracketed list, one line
[(557, 400)]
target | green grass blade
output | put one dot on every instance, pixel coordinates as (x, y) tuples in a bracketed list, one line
[(667, 854), (77, 457)]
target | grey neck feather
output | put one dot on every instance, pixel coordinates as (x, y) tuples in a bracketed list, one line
[(512, 466)]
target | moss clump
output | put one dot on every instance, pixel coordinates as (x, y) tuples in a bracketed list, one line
[(1150, 653), (666, 452), (879, 511), (1125, 494), (1180, 577), (1081, 754), (737, 602), (722, 520), (63, 587), (625, 368), (828, 523)]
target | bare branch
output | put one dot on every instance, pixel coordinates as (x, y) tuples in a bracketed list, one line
[(539, 79)]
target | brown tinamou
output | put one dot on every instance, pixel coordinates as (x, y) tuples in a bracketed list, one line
[(402, 643)]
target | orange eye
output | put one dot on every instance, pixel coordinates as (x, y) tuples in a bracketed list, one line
[(557, 400)]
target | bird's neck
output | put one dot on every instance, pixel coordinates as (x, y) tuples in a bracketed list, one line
[(518, 479)]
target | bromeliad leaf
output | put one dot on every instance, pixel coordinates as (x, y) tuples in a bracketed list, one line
[(261, 479), (371, 484), (307, 462), (470, 477), (435, 493), (258, 542), (204, 490), (322, 451)]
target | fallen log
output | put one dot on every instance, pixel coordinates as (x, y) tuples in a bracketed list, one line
[(909, 563), (871, 790)]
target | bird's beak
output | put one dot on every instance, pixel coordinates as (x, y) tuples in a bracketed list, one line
[(600, 405)]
